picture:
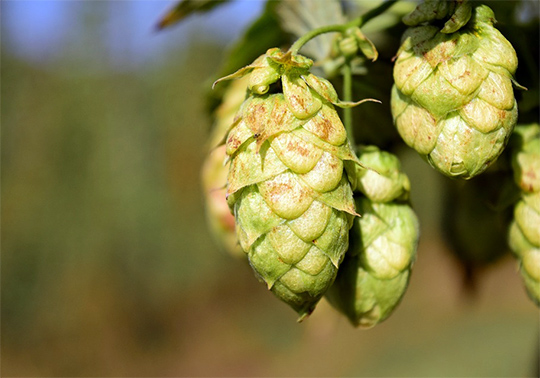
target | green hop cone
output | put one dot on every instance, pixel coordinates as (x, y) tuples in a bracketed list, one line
[(287, 186), (375, 273), (214, 172), (219, 218), (526, 157), (524, 232), (528, 256), (453, 100)]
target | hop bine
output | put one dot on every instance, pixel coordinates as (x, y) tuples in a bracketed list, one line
[(287, 185), (452, 100)]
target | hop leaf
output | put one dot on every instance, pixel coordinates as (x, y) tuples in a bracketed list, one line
[(453, 100), (474, 221)]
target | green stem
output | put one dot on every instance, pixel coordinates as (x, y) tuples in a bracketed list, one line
[(314, 33), (347, 96), (357, 22)]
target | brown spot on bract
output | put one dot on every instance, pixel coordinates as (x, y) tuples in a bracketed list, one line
[(255, 117), (277, 190), (300, 149), (234, 142)]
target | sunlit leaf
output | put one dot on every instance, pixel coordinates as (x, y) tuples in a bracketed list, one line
[(301, 16)]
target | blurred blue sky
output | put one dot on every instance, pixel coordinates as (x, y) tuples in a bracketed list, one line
[(41, 30)]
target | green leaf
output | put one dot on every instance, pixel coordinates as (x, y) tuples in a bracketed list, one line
[(185, 8), (302, 16)]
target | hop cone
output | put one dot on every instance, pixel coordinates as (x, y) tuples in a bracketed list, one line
[(287, 186), (452, 100), (375, 273), (524, 234), (214, 172)]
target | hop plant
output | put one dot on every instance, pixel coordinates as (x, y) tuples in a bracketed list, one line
[(375, 273), (452, 100), (315, 220), (287, 184), (215, 169), (524, 233)]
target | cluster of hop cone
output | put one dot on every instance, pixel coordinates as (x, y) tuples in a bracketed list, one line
[(317, 216)]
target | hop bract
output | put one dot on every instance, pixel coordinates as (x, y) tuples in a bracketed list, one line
[(383, 181), (453, 100), (524, 235), (287, 185)]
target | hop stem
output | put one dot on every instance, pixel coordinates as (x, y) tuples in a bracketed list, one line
[(347, 96)]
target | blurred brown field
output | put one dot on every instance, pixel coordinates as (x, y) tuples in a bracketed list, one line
[(108, 267)]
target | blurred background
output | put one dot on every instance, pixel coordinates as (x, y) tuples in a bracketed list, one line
[(108, 267)]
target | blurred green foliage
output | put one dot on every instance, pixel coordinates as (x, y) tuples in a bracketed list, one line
[(108, 268)]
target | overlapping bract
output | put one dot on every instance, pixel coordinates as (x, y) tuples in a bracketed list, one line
[(287, 184), (524, 235), (453, 100), (375, 273)]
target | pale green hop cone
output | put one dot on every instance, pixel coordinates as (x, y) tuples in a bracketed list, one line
[(526, 157), (214, 172), (453, 100), (287, 186), (218, 215), (524, 233), (528, 256), (375, 274)]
